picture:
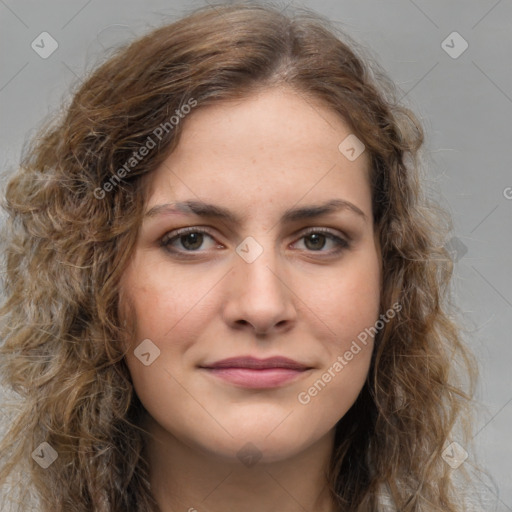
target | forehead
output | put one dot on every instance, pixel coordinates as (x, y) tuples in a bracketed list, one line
[(275, 146)]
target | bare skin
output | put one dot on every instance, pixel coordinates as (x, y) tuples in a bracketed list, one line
[(305, 297)]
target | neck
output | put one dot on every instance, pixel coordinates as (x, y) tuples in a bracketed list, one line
[(185, 478)]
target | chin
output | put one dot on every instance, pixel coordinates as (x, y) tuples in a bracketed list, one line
[(254, 444)]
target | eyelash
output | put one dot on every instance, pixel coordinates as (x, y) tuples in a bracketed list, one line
[(166, 240)]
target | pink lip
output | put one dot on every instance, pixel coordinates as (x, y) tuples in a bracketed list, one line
[(249, 378), (251, 372)]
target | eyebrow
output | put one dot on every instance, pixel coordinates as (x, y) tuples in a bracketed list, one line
[(203, 209)]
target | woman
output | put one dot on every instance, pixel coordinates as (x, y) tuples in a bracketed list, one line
[(225, 288)]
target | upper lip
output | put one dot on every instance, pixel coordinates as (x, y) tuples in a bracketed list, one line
[(258, 364)]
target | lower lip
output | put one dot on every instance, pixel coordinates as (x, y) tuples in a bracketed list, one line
[(251, 378)]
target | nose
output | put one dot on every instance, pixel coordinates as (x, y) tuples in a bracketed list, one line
[(259, 296)]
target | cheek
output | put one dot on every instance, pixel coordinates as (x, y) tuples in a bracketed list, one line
[(351, 315), (348, 305), (171, 314), (163, 299), (348, 299), (163, 319)]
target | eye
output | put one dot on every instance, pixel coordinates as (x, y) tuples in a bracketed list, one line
[(187, 239), (316, 239)]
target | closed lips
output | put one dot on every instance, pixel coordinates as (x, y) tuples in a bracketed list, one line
[(258, 364)]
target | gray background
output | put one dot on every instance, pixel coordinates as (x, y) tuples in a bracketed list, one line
[(465, 104)]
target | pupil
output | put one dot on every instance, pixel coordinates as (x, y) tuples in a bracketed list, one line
[(195, 238)]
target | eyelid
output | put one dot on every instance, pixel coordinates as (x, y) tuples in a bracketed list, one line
[(328, 231)]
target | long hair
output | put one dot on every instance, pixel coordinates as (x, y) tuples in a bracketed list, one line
[(72, 219)]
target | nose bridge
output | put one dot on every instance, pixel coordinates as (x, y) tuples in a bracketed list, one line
[(257, 263)]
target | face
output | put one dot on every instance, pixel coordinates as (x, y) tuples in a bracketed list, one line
[(262, 275)]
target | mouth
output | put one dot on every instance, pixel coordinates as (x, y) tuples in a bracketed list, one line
[(250, 372)]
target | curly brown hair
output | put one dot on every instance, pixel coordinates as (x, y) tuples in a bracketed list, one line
[(69, 236)]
